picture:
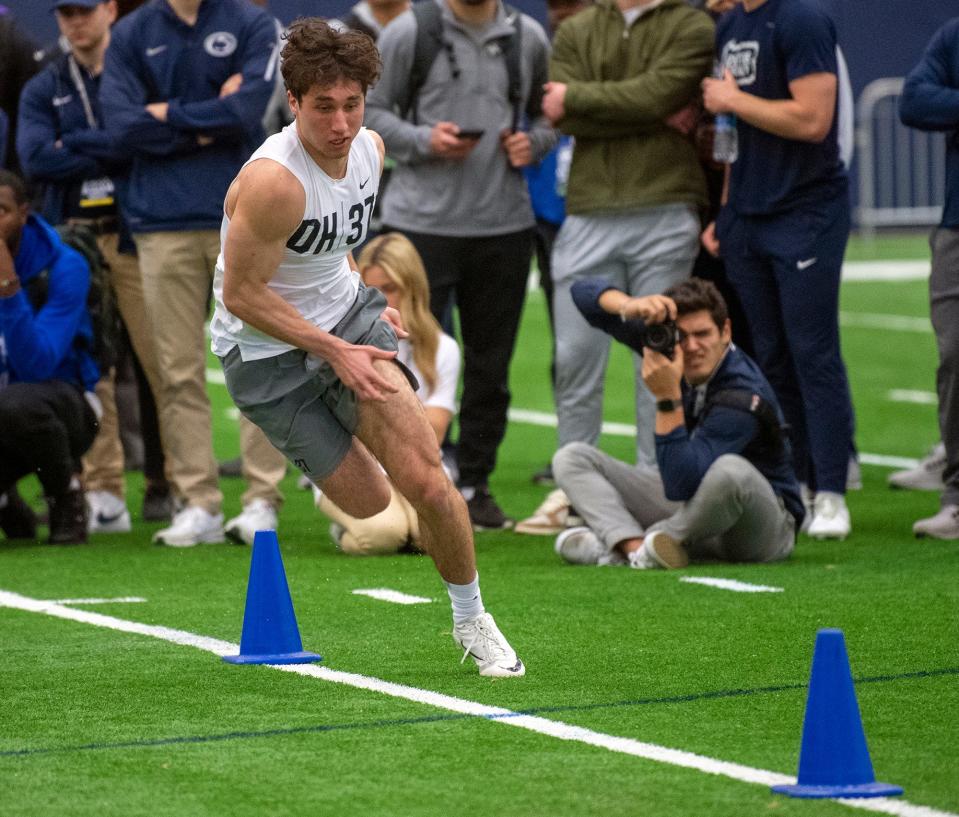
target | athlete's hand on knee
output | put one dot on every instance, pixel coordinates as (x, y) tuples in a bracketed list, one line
[(393, 318), (354, 366)]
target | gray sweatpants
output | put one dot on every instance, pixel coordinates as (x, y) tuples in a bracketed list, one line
[(944, 311), (641, 252), (734, 515)]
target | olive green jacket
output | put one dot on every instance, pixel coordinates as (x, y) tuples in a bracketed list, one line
[(622, 84)]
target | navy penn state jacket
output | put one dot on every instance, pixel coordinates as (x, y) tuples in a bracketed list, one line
[(52, 111), (175, 182)]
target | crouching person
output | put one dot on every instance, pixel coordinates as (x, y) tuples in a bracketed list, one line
[(724, 486), (49, 414)]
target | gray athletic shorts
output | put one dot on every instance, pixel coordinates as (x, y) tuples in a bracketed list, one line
[(298, 400)]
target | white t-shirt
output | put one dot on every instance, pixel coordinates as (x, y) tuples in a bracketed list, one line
[(447, 373), (314, 275)]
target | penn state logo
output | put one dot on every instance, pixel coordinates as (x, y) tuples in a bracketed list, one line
[(741, 59), (220, 44)]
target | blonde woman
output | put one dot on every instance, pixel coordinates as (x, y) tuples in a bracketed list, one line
[(392, 265)]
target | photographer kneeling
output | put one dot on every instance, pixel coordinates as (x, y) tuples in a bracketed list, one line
[(724, 487), (48, 412)]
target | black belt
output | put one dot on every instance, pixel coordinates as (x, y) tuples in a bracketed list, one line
[(99, 226)]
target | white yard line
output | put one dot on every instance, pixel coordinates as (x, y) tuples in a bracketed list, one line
[(118, 600), (885, 270), (394, 596), (730, 584), (543, 726), (921, 398), (548, 420), (889, 323)]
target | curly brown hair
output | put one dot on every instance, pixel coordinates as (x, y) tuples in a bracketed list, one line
[(316, 54), (695, 294)]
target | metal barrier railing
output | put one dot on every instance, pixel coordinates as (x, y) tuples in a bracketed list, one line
[(902, 171)]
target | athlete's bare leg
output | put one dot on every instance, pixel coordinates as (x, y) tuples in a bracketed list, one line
[(399, 436)]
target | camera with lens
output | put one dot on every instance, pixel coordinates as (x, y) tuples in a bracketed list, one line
[(662, 337)]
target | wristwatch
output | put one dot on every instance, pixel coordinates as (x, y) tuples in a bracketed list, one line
[(667, 406)]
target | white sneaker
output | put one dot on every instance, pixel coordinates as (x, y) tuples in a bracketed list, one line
[(830, 517), (550, 517), (190, 527), (580, 546), (665, 550), (926, 476), (944, 525), (481, 639), (258, 515), (640, 559), (107, 513)]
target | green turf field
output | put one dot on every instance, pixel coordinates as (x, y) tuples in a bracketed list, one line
[(639, 685)]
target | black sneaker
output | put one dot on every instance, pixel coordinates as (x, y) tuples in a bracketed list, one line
[(157, 504), (17, 520), (68, 518), (544, 476), (485, 514)]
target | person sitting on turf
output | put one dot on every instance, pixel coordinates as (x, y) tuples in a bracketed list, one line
[(49, 414), (391, 263), (724, 487)]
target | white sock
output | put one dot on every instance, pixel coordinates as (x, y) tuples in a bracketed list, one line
[(468, 492), (466, 600)]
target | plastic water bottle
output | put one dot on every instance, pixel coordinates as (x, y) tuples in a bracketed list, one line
[(725, 139)]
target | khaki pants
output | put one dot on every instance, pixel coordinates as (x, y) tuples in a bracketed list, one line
[(103, 463), (263, 466), (177, 278), (383, 533)]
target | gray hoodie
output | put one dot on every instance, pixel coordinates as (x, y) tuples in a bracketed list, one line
[(481, 195)]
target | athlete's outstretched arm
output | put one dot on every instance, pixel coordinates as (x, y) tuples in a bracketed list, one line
[(265, 205)]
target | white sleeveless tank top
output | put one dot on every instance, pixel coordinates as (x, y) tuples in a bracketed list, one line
[(314, 275)]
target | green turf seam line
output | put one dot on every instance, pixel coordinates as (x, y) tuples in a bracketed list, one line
[(147, 743), (537, 725)]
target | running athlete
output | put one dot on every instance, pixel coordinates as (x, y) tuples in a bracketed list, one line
[(308, 350)]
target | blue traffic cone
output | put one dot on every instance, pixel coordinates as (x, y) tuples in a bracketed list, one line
[(834, 759), (270, 634)]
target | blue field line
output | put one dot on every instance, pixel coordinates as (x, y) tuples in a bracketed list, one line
[(394, 722)]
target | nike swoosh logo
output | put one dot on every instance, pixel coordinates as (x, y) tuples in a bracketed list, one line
[(365, 183), (57, 101), (807, 263), (104, 519), (157, 49)]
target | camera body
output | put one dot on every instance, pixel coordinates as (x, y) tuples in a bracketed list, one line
[(662, 337)]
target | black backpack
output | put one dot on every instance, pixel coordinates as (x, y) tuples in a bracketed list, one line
[(430, 41), (101, 299)]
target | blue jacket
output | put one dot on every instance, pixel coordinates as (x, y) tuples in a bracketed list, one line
[(930, 101), (52, 343), (51, 110), (686, 453), (174, 183)]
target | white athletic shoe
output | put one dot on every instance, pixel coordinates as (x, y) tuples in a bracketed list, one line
[(481, 639), (944, 525), (666, 551), (830, 517), (107, 513), (550, 517), (926, 476), (258, 515), (580, 546), (190, 527)]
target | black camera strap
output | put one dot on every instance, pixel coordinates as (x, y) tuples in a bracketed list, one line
[(772, 434)]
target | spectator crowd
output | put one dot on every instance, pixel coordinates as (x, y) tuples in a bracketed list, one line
[(673, 167)]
